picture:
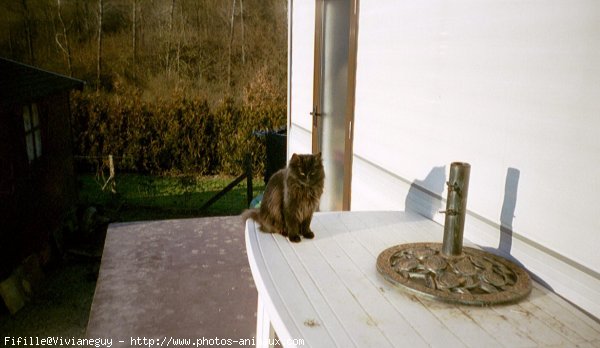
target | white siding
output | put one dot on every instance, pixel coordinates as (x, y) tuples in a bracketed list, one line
[(301, 55), (503, 85)]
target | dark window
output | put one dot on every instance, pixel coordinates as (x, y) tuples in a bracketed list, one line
[(33, 132)]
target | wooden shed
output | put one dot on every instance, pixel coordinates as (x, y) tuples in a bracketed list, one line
[(392, 92), (37, 179)]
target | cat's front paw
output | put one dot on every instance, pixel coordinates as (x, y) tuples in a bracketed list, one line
[(295, 238), (308, 235)]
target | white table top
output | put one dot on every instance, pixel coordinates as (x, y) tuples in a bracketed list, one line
[(327, 291)]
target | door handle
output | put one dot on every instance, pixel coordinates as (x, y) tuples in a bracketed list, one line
[(314, 112), (315, 115)]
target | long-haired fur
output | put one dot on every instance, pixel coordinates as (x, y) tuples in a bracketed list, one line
[(291, 197)]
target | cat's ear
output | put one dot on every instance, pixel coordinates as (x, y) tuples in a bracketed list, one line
[(294, 158), (318, 156)]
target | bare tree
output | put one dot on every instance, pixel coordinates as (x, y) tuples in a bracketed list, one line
[(181, 37), (133, 39), (28, 31), (66, 49), (242, 18), (10, 42), (230, 45), (231, 36), (208, 44), (170, 37), (99, 62)]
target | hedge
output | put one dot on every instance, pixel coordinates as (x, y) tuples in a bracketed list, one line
[(176, 135)]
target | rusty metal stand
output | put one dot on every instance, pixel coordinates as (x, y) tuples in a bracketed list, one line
[(448, 271)]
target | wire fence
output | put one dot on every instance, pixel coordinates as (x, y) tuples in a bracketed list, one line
[(131, 196)]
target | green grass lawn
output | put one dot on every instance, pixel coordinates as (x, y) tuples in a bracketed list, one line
[(146, 197)]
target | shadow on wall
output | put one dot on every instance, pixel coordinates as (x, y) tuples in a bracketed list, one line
[(507, 214), (424, 196)]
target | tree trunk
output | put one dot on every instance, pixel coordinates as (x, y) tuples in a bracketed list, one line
[(10, 43), (230, 45), (28, 32), (67, 48), (170, 38), (180, 38), (133, 39), (242, 18), (99, 62)]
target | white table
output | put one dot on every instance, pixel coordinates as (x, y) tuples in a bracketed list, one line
[(326, 292)]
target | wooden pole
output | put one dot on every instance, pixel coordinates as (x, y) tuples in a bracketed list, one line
[(111, 178), (249, 192), (111, 166), (222, 193)]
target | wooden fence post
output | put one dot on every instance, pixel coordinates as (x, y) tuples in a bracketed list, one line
[(249, 192), (111, 166), (111, 181)]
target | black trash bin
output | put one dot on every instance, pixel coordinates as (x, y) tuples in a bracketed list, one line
[(276, 144)]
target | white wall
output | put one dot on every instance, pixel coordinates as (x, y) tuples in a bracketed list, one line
[(300, 74), (513, 88)]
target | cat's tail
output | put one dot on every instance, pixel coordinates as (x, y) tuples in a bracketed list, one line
[(253, 214), (265, 224)]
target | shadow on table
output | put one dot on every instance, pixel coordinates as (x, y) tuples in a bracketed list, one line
[(425, 196), (327, 225)]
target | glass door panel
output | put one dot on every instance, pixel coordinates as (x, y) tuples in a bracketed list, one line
[(333, 53)]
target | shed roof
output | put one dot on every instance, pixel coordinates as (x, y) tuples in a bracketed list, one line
[(20, 82)]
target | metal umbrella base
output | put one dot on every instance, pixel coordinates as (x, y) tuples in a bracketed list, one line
[(475, 277), (447, 271)]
